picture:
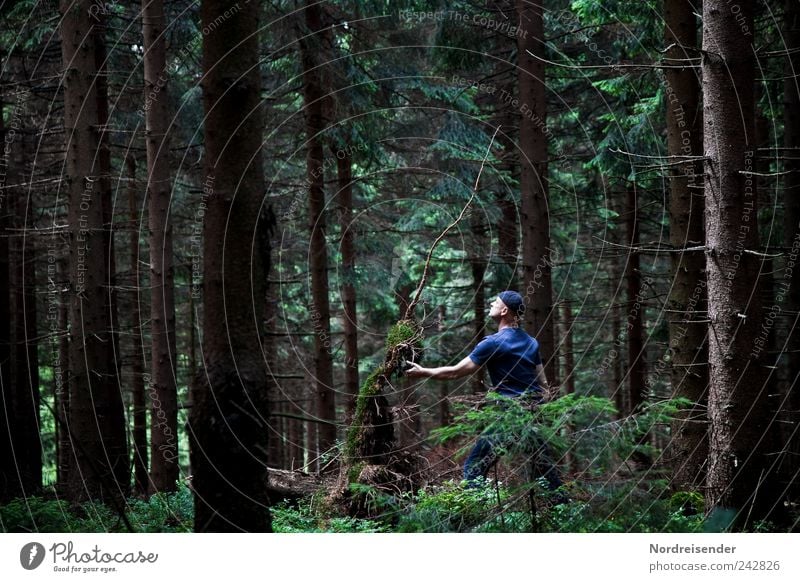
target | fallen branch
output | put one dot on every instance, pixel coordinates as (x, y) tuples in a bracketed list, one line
[(410, 310)]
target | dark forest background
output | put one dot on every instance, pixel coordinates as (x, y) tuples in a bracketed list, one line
[(226, 225)]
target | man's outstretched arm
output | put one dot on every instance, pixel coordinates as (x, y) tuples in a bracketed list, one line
[(464, 368)]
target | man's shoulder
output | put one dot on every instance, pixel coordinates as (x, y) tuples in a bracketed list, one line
[(516, 334)]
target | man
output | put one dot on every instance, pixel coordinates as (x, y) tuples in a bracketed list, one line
[(515, 368)]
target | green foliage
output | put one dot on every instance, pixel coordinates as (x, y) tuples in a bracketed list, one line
[(622, 507), (35, 514), (452, 508), (527, 425), (305, 518), (402, 332), (163, 512)]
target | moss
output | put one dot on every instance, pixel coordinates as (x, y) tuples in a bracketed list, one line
[(369, 388), (354, 472), (403, 331)]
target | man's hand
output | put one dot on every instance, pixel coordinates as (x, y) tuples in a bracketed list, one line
[(414, 370)]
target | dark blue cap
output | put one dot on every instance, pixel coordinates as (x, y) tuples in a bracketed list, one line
[(513, 301)]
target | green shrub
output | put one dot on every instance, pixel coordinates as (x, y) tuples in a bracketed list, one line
[(35, 514), (304, 518), (163, 512)]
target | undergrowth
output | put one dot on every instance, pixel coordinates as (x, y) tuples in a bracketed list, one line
[(163, 512), (609, 495)]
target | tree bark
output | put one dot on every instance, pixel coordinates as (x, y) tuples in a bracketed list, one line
[(615, 353), (228, 422), (791, 203), (736, 400), (97, 420), (478, 266), (688, 448), (296, 449), (314, 99), (141, 478), (103, 186), (536, 264), (567, 333), (275, 393), (62, 369), (345, 174), (634, 321), (8, 488), (163, 390), (25, 375)]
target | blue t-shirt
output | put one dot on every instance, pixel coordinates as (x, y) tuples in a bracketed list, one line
[(511, 356)]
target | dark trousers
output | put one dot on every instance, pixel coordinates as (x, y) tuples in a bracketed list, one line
[(484, 455)]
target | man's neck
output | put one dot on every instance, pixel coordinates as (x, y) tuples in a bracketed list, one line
[(505, 324)]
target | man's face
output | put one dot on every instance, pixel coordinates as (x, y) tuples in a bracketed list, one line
[(497, 309)]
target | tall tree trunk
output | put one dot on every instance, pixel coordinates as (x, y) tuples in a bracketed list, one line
[(615, 354), (506, 116), (569, 348), (478, 265), (736, 399), (687, 301), (163, 390), (345, 174), (274, 391), (791, 203), (8, 488), (568, 373), (97, 419), (537, 268), (444, 391), (313, 96), (27, 442), (634, 321), (296, 449), (103, 185), (228, 421), (140, 473), (62, 369)]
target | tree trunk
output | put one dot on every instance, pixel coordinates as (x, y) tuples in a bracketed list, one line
[(228, 422), (615, 354), (103, 187), (275, 393), (736, 399), (97, 420), (478, 265), (568, 373), (313, 96), (791, 203), (536, 264), (296, 449), (25, 374), (635, 312), (163, 389), (345, 175), (569, 348), (62, 369), (140, 474), (8, 488), (687, 301)]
